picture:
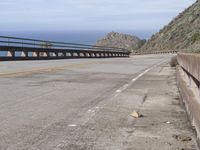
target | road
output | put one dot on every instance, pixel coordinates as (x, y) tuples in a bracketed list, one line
[(71, 104)]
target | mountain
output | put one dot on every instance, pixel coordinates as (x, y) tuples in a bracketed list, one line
[(182, 33), (119, 40)]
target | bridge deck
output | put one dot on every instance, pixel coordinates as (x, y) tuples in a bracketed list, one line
[(86, 104)]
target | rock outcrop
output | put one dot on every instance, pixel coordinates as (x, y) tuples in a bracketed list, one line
[(114, 39)]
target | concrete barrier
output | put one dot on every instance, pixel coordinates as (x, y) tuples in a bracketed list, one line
[(156, 52), (191, 63), (188, 77)]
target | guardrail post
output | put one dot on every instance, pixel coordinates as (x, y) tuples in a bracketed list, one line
[(24, 54), (48, 54), (36, 54), (56, 53), (10, 53)]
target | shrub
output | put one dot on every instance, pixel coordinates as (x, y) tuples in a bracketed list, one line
[(174, 62), (195, 37)]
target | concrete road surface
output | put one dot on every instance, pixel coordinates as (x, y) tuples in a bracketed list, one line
[(77, 104)]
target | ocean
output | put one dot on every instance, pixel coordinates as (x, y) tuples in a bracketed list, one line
[(83, 36)]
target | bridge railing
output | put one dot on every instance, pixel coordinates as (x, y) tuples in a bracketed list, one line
[(13, 48), (156, 52), (33, 43), (189, 85)]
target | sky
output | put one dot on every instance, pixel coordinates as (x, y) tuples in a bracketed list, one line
[(37, 15)]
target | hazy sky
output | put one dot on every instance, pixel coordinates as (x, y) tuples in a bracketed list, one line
[(88, 14)]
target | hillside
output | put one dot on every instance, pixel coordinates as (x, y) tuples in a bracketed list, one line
[(114, 39), (182, 33)]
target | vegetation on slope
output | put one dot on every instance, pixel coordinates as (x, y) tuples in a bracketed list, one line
[(182, 33)]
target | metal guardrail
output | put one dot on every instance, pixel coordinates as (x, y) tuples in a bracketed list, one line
[(33, 43), (157, 52), (33, 49)]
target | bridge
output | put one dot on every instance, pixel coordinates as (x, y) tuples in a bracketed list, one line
[(77, 104), (93, 103), (14, 48)]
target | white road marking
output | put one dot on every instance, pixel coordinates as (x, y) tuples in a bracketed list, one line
[(90, 110), (116, 95), (124, 87), (118, 91), (133, 80), (72, 125)]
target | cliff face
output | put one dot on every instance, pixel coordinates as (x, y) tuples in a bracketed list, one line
[(182, 33), (114, 39)]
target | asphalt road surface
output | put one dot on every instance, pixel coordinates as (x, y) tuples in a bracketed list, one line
[(75, 104)]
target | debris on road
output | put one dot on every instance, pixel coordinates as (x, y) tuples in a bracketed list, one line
[(168, 122), (136, 114), (182, 138)]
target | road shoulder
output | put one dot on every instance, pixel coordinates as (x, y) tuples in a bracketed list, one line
[(165, 124)]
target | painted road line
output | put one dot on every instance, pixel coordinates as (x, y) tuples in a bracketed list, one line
[(124, 87), (72, 125)]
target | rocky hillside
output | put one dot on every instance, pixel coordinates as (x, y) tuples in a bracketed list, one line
[(182, 33), (114, 39)]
